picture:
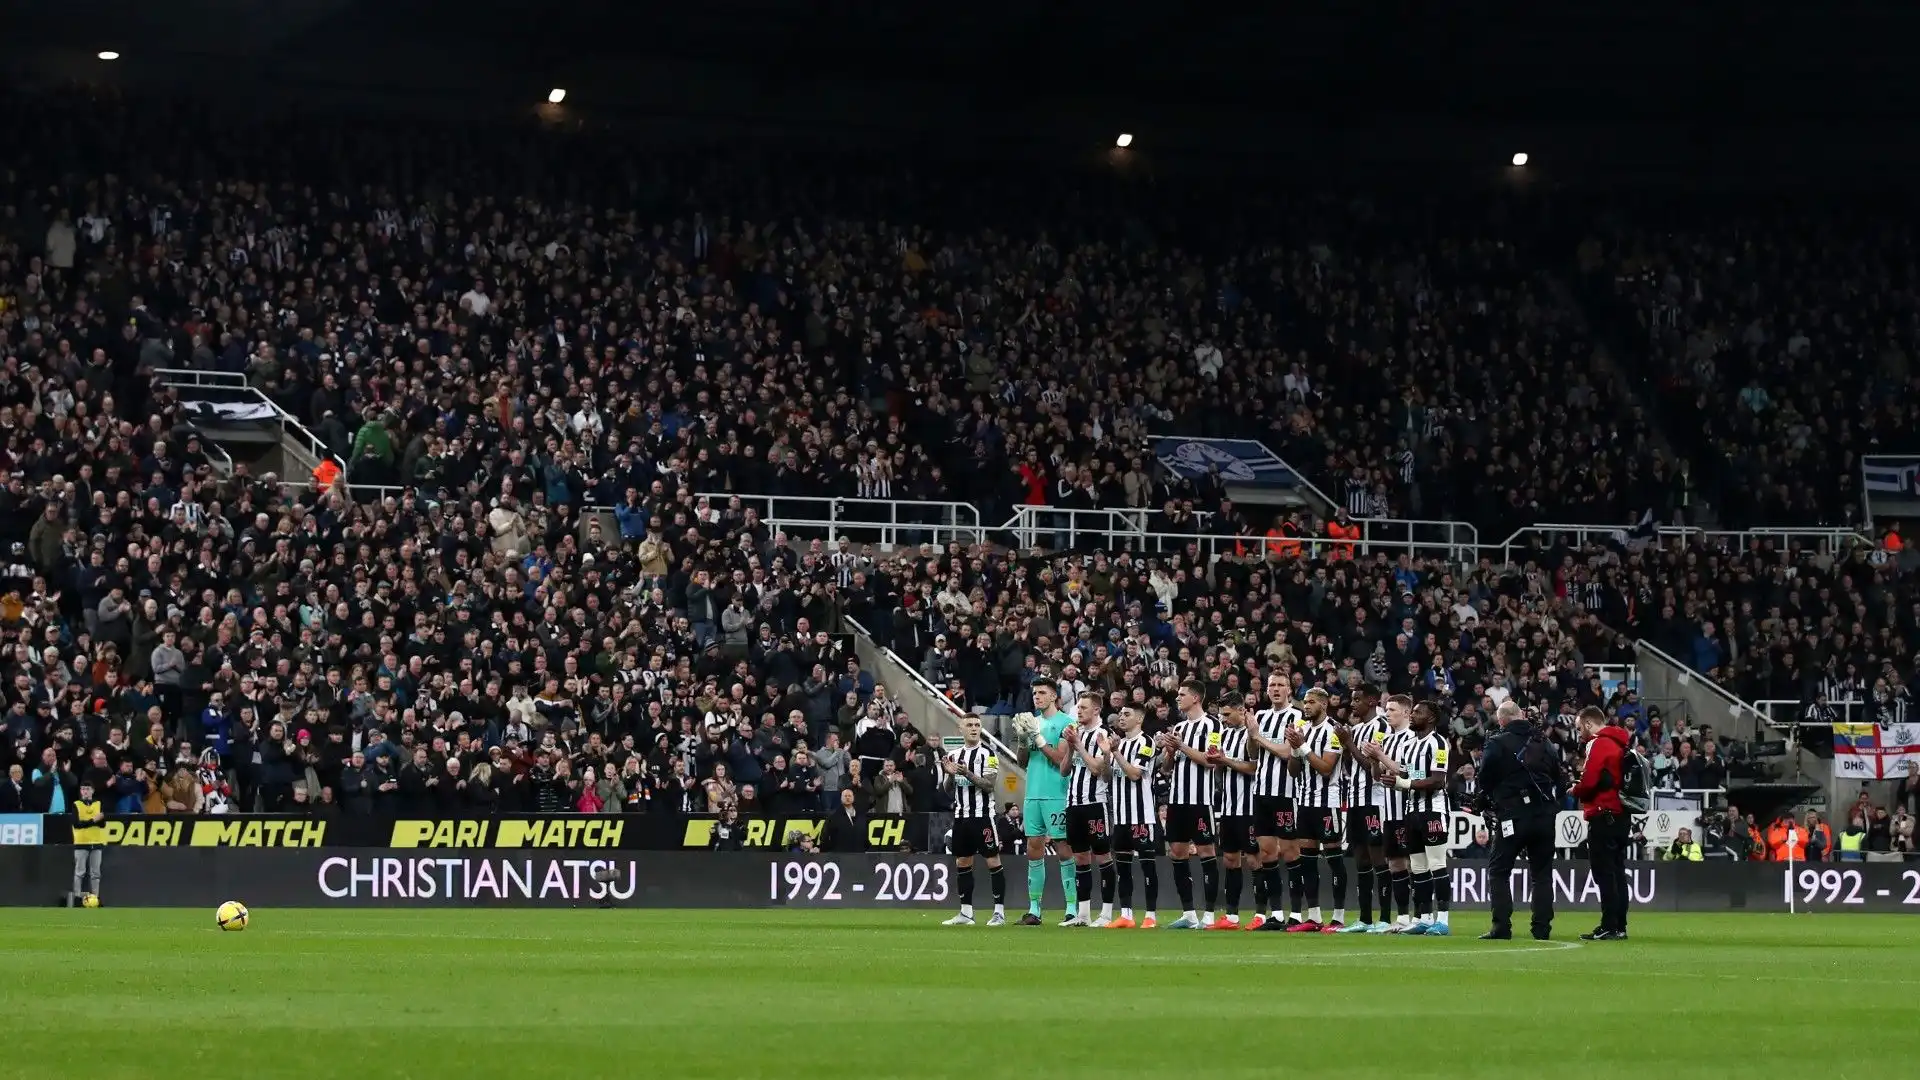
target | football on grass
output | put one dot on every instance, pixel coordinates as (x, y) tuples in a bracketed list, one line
[(231, 916)]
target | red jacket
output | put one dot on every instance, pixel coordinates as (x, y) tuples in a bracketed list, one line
[(1599, 786)]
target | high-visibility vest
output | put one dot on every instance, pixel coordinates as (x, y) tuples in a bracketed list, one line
[(325, 474), (1779, 849), (1282, 543), (1853, 842), (89, 828), (1344, 537)]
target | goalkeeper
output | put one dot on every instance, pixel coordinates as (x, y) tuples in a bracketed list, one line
[(1045, 812)]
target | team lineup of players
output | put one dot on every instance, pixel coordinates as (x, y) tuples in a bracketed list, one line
[(1275, 787)]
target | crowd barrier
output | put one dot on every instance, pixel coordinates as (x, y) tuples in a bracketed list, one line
[(299, 877)]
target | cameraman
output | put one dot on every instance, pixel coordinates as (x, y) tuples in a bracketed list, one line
[(1521, 775)]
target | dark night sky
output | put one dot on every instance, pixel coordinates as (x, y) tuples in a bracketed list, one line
[(1630, 88)]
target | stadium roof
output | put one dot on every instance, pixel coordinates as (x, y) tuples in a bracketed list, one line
[(1278, 78)]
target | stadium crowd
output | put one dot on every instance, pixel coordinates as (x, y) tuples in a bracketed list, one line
[(1780, 344), (498, 333)]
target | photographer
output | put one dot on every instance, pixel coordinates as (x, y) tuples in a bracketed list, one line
[(1521, 775), (1683, 849)]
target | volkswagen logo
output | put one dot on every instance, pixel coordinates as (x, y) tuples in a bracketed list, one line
[(1572, 830)]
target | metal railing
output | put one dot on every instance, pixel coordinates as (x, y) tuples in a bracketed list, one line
[(884, 521), (1132, 530), (1825, 541), (1795, 713), (228, 382), (888, 522), (941, 716)]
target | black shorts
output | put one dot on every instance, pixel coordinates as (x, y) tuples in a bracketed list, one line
[(1400, 839), (1273, 816), (1366, 826), (1189, 824), (1236, 833), (1321, 825), (1141, 840), (1426, 830), (1087, 829), (974, 836)]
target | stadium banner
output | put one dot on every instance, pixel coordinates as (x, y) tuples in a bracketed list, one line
[(623, 832), (1890, 484), (1570, 829), (1875, 751), (1239, 461), (20, 830), (266, 878)]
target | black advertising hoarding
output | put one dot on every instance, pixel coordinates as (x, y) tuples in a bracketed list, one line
[(566, 832), (203, 876)]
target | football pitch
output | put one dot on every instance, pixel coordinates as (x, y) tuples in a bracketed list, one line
[(124, 994)]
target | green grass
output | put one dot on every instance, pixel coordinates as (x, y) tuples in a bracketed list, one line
[(589, 993)]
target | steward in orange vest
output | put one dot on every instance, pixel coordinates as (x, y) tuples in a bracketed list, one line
[(1345, 532)]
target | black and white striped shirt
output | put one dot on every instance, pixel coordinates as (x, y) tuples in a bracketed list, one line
[(1356, 784), (1191, 783), (1312, 789), (971, 802), (1130, 802), (1359, 499), (871, 483), (1084, 786), (1427, 758), (1398, 749), (1271, 779), (843, 563), (1236, 788), (1406, 466)]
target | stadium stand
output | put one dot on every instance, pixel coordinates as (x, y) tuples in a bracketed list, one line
[(607, 472), (1779, 342)]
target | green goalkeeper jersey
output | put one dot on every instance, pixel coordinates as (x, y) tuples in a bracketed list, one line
[(1044, 781)]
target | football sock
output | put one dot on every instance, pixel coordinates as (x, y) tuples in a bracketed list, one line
[(1210, 881), (997, 876), (1260, 887), (1036, 883), (1366, 892), (1310, 880), (1402, 892), (1183, 883), (1297, 886), (1232, 899), (1442, 894), (1106, 886), (1069, 885), (1276, 889), (1083, 885), (1123, 869), (966, 885), (1383, 885), (1150, 883), (1422, 894), (1337, 872)]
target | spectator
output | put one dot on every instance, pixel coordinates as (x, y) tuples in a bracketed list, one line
[(1683, 848), (1481, 847), (892, 791), (1879, 830), (846, 829)]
